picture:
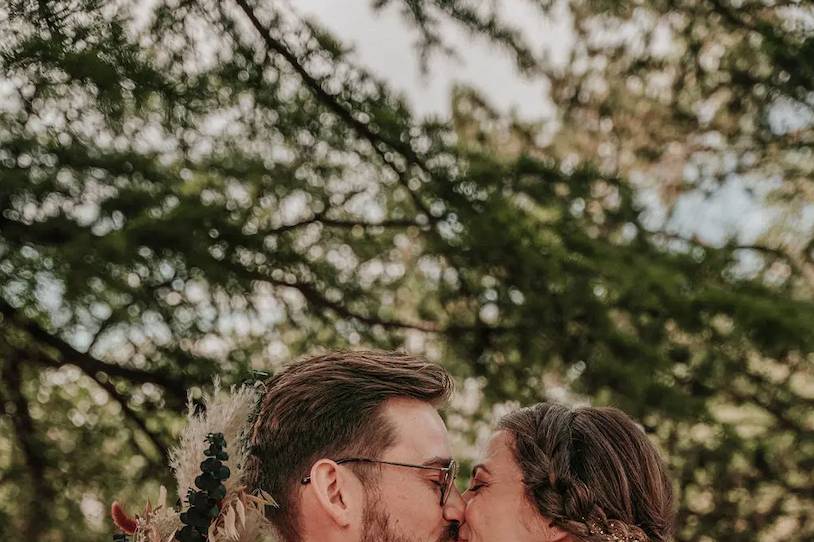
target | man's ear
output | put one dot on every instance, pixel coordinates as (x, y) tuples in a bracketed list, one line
[(336, 491)]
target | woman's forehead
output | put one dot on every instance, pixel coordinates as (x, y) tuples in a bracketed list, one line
[(498, 455)]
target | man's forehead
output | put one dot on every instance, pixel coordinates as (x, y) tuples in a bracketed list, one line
[(418, 427)]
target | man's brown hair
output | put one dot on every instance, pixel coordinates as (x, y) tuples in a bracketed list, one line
[(330, 406), (592, 472)]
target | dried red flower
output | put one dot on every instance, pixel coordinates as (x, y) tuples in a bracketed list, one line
[(124, 522)]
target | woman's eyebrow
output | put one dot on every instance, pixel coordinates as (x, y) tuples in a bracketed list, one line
[(480, 466)]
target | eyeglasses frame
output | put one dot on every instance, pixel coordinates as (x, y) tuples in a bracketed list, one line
[(451, 472)]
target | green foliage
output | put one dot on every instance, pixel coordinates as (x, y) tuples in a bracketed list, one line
[(210, 190)]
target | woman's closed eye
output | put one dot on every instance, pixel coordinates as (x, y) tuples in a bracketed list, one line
[(476, 485)]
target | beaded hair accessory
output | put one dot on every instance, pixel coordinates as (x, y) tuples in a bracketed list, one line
[(208, 466), (615, 531)]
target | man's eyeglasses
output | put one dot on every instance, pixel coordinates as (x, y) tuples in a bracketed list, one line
[(450, 472)]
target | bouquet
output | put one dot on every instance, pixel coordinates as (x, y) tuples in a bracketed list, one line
[(208, 466)]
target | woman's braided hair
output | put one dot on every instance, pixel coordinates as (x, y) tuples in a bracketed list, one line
[(592, 472)]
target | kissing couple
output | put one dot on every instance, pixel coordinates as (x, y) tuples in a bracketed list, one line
[(353, 449)]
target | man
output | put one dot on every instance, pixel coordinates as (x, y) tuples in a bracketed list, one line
[(352, 448)]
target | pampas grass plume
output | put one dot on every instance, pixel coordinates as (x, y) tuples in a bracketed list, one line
[(225, 412)]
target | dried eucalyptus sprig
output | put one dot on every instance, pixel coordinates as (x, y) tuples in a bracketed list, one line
[(204, 504)]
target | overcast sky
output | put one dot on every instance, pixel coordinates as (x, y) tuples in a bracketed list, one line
[(383, 42)]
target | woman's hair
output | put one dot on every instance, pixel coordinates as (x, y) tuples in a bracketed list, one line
[(592, 472)]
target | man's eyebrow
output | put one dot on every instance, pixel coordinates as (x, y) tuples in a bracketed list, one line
[(480, 466), (437, 461)]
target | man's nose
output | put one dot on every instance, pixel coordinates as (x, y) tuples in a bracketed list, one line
[(454, 507)]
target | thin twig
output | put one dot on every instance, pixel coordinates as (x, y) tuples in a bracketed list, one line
[(88, 363)]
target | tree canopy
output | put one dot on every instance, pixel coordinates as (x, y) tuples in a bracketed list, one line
[(212, 188)]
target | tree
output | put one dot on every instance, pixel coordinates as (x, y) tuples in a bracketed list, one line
[(217, 187)]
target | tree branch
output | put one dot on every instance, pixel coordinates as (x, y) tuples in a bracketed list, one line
[(134, 417), (42, 492), (89, 364), (797, 264), (333, 104), (345, 224), (315, 297), (110, 388)]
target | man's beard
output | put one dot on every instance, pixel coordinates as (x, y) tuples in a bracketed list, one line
[(376, 526)]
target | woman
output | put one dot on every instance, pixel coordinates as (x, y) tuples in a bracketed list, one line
[(555, 474)]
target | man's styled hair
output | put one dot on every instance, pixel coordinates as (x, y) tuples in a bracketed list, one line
[(330, 406)]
